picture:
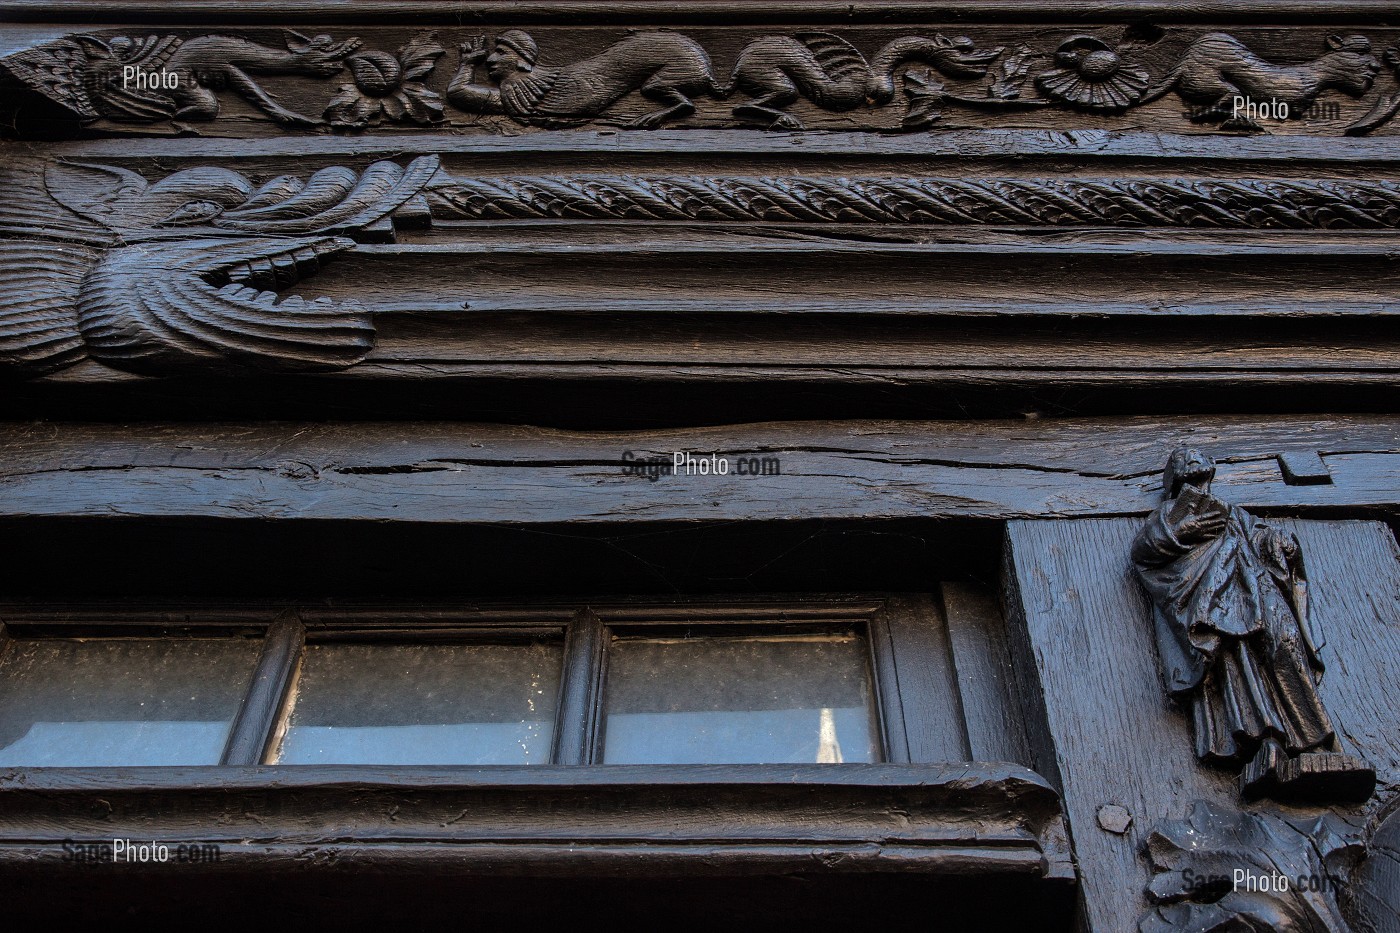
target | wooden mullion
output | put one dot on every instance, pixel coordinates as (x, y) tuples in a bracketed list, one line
[(577, 725), (256, 721), (889, 706), (926, 684)]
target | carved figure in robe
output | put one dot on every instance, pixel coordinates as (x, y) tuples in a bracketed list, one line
[(1237, 643)]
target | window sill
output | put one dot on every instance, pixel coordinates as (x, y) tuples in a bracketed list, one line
[(550, 820)]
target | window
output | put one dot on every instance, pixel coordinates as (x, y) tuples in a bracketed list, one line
[(120, 701), (597, 738), (809, 680)]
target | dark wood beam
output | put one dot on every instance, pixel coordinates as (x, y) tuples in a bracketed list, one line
[(453, 473)]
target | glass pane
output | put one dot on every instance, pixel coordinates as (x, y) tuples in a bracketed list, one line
[(121, 701), (729, 700), (424, 704)]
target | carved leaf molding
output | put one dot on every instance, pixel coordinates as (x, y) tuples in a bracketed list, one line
[(1104, 74), (1130, 202)]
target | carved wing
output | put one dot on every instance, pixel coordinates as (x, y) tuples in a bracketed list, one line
[(206, 302), (58, 71), (39, 285), (838, 58), (159, 301), (334, 199)]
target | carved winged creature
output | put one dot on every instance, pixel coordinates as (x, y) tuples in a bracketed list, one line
[(185, 273), (672, 69), (830, 72), (664, 67), (1217, 68), (87, 75)]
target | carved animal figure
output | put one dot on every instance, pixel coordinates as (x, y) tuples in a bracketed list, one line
[(186, 272), (98, 78), (1217, 68), (664, 67), (830, 72)]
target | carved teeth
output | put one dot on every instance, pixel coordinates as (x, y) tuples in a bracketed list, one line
[(284, 268), (262, 271), (308, 263)]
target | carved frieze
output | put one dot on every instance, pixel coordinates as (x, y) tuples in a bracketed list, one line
[(1178, 79)]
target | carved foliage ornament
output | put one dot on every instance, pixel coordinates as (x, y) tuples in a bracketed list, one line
[(1102, 74), (1222, 871), (1237, 642)]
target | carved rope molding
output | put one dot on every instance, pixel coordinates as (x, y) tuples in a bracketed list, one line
[(557, 78), (97, 262), (1131, 202)]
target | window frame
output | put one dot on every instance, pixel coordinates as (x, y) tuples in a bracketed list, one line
[(933, 815), (890, 624)]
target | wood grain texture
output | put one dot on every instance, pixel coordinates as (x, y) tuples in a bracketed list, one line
[(451, 473), (992, 709), (1355, 587), (1117, 738), (919, 664)]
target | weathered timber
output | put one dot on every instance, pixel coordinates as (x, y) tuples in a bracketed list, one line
[(1115, 737), (556, 820), (448, 473)]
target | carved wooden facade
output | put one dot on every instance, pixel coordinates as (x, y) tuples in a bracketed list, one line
[(386, 319)]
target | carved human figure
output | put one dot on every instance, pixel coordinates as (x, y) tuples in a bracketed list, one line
[(1236, 641), (665, 67)]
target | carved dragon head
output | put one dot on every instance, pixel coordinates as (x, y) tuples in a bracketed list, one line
[(186, 272)]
